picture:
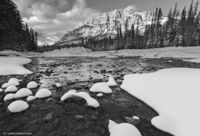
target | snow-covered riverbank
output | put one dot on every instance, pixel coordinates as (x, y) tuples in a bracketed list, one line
[(190, 54)]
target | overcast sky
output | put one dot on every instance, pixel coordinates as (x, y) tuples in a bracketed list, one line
[(53, 18)]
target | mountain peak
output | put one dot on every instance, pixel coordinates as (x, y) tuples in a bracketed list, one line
[(129, 10), (107, 23)]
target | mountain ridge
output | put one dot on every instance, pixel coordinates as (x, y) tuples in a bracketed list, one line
[(107, 23)]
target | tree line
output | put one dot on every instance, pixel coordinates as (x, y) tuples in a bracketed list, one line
[(180, 29), (14, 33)]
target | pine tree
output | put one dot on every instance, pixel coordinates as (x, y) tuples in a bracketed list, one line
[(13, 33)]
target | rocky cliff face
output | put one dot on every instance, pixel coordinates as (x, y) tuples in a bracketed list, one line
[(106, 24)]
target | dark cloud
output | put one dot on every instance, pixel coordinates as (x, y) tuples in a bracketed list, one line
[(53, 18)]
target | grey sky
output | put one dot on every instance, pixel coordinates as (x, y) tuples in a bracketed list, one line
[(150, 5), (53, 18)]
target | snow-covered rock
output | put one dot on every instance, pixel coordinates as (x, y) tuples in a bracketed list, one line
[(90, 101), (101, 88), (58, 85), (30, 98), (43, 93), (13, 66), (111, 81), (9, 97), (99, 95), (123, 129), (23, 92), (11, 89), (5, 85), (136, 118), (174, 94), (32, 85), (18, 106), (13, 81)]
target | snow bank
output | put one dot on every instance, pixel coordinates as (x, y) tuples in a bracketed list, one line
[(101, 88), (58, 85), (43, 93), (90, 101), (174, 93), (18, 106), (191, 54), (32, 85), (123, 129), (23, 92), (13, 66)]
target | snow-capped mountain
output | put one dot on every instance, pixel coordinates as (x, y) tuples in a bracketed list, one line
[(106, 24)]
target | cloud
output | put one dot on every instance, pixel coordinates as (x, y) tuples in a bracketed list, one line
[(53, 18)]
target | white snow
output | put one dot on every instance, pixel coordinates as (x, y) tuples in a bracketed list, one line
[(174, 93), (30, 98), (43, 93), (123, 129), (99, 95), (67, 52), (11, 89), (73, 93), (18, 106), (58, 85), (23, 92), (5, 85), (191, 54), (136, 118), (9, 97), (13, 66), (101, 87), (111, 81), (11, 82), (32, 85)]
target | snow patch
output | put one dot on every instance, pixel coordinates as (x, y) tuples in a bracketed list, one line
[(99, 95), (32, 85), (23, 92), (11, 82), (11, 89), (18, 106), (9, 97), (123, 129), (101, 88), (111, 81), (73, 93), (13, 66), (43, 93), (174, 93), (5, 85), (30, 98)]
